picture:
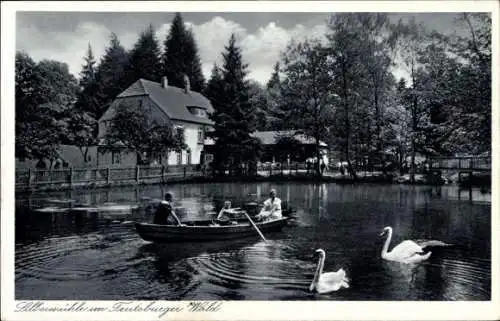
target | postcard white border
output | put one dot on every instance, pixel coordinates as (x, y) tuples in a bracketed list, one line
[(248, 310)]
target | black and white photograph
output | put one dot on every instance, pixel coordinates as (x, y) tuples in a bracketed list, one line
[(214, 156)]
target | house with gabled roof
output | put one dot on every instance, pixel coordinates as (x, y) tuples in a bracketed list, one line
[(184, 110)]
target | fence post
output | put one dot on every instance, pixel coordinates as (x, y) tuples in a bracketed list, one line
[(184, 171), (162, 173), (70, 176), (108, 175), (459, 163), (29, 177), (137, 173)]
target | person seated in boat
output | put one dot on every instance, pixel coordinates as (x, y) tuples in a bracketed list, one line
[(165, 211), (271, 209), (224, 217)]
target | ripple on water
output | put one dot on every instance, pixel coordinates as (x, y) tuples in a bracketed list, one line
[(467, 278), (73, 257), (259, 265)]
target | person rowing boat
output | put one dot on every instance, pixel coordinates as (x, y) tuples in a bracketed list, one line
[(165, 211)]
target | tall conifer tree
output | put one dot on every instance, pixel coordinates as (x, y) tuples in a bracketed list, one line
[(214, 90), (111, 75), (87, 97), (87, 75), (145, 60), (181, 57), (234, 115)]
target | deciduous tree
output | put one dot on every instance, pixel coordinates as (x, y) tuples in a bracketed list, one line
[(135, 130), (306, 88)]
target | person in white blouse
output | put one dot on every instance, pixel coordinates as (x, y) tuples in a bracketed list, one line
[(271, 209)]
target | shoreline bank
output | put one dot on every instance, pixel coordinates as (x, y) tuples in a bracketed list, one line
[(480, 181)]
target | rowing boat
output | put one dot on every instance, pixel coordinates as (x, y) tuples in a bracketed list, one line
[(205, 230)]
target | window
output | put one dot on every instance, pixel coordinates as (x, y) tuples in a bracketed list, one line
[(179, 132), (116, 158), (179, 158), (198, 111), (201, 135)]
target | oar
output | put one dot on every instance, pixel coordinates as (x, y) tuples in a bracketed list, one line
[(255, 226)]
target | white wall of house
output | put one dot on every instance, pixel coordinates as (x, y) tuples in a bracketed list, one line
[(193, 137)]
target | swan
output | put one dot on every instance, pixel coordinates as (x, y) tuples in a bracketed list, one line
[(330, 281), (405, 252)]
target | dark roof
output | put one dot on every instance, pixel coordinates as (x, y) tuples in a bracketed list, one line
[(270, 137), (172, 100)]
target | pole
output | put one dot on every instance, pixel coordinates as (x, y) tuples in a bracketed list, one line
[(29, 177), (255, 227)]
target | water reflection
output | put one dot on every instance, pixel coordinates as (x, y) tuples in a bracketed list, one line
[(104, 257)]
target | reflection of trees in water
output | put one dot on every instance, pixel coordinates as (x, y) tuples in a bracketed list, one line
[(430, 281), (400, 280), (257, 260), (34, 226), (163, 268)]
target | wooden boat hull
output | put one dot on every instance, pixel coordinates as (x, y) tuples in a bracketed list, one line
[(200, 232)]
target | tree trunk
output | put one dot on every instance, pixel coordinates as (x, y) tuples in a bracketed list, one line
[(350, 168), (316, 137), (84, 151), (377, 120), (414, 138)]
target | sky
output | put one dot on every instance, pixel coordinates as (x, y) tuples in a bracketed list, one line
[(64, 36)]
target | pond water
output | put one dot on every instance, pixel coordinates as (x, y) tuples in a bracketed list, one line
[(64, 256)]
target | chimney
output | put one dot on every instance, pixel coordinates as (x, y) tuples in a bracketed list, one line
[(187, 85), (164, 82)]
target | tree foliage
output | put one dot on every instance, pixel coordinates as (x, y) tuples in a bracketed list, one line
[(145, 61), (307, 100), (234, 114), (274, 94), (181, 57), (44, 92), (258, 99), (135, 130), (81, 130), (111, 76)]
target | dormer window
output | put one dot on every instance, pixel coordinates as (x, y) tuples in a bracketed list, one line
[(198, 111)]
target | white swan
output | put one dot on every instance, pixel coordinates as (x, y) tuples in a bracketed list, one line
[(327, 282), (405, 252)]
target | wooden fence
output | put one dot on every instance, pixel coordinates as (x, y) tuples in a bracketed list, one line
[(471, 163), (72, 177)]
